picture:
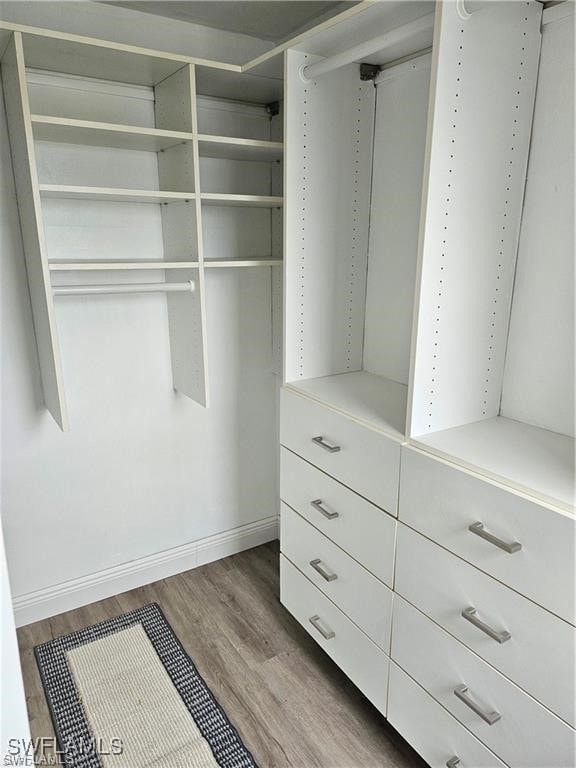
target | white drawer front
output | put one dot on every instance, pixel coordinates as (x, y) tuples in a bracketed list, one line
[(442, 501), (364, 663), (360, 528), (526, 735), (367, 461), (357, 592), (538, 655), (433, 733)]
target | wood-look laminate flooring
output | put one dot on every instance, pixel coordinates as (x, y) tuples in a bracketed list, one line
[(292, 706)]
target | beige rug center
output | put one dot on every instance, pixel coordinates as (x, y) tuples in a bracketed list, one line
[(128, 696)]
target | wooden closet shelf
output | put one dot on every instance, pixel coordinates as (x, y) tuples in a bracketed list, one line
[(116, 195), (98, 134)]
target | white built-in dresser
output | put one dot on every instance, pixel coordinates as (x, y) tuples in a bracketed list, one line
[(427, 443)]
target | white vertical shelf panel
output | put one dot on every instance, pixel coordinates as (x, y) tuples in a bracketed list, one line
[(175, 108), (29, 206), (328, 155), (399, 144), (277, 242), (482, 97), (539, 373)]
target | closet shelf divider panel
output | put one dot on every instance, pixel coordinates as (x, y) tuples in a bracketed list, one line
[(30, 211), (175, 104)]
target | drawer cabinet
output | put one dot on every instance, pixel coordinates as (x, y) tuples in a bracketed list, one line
[(433, 733), (364, 663), (366, 461), (364, 531), (360, 595), (508, 721), (513, 634), (442, 502)]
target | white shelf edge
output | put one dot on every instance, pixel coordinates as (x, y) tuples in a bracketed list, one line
[(112, 128), (114, 194), (264, 201), (99, 266), (229, 145), (105, 266), (230, 263)]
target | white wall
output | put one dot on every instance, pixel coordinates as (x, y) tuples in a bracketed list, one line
[(143, 469), (539, 374), (13, 716)]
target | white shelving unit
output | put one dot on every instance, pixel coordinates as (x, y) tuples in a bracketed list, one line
[(396, 296), (355, 155), (89, 149), (485, 390)]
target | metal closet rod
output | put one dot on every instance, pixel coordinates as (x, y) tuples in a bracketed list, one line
[(377, 44), (92, 290)]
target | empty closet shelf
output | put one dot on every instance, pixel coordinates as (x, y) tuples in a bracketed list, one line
[(229, 148), (115, 195), (99, 134), (531, 459), (367, 397), (103, 266), (224, 263), (97, 290), (248, 201)]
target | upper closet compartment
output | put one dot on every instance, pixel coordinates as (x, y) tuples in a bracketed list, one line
[(241, 148), (355, 140), (493, 383)]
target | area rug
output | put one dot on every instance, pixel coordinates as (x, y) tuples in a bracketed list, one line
[(125, 694)]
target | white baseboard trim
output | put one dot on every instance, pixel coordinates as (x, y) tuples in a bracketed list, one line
[(51, 601)]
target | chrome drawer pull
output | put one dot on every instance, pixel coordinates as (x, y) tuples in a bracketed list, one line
[(327, 634), (317, 504), (461, 692), (454, 762), (507, 546), (323, 444), (319, 566), (470, 615)]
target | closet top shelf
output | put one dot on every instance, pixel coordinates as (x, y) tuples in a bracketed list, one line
[(57, 51)]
